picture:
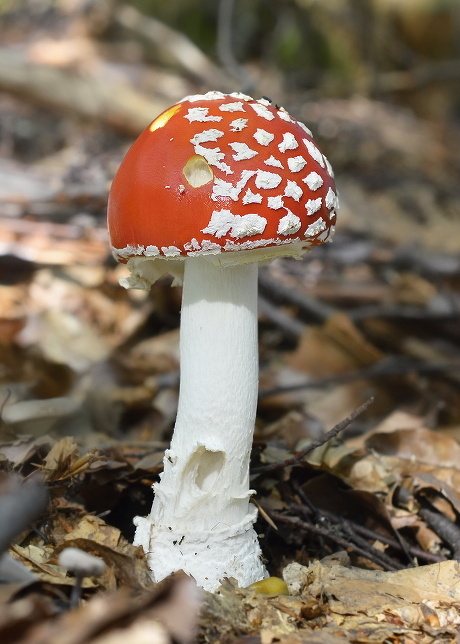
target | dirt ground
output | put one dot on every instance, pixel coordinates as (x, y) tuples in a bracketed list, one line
[(360, 338)]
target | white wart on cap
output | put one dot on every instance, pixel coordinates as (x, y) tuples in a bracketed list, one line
[(219, 173)]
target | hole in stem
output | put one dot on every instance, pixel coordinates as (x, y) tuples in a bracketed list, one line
[(207, 466)]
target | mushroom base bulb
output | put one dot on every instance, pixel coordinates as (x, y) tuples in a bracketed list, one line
[(231, 552)]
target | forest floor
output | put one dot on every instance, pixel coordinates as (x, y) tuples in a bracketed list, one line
[(369, 520)]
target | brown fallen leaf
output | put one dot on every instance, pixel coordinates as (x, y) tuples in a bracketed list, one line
[(166, 614), (24, 449), (126, 564), (63, 460), (336, 347), (21, 616), (421, 444), (358, 597)]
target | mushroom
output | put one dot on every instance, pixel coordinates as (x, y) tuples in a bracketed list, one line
[(213, 186), (81, 564)]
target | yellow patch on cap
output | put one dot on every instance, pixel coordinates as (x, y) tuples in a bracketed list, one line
[(161, 120)]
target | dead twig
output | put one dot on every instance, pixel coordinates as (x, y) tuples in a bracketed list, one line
[(346, 529), (332, 433), (446, 529), (353, 527), (413, 551), (392, 366), (405, 312), (172, 47), (89, 95), (313, 513), (312, 309), (336, 538), (290, 326), (224, 46), (403, 81)]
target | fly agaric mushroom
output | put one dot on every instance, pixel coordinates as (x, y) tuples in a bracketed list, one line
[(214, 185)]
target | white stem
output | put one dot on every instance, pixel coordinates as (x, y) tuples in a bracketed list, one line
[(201, 521)]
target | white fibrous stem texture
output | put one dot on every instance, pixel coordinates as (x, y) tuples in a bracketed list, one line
[(202, 520)]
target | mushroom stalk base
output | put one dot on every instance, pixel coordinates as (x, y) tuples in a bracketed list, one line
[(208, 558), (201, 519)]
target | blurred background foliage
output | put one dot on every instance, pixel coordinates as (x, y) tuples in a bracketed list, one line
[(377, 80), (408, 50), (375, 313)]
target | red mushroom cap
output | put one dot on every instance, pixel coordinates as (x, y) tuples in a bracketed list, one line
[(217, 173)]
